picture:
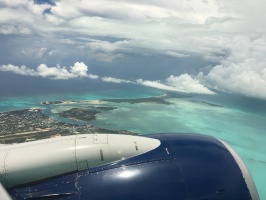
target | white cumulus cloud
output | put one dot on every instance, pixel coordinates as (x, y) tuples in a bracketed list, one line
[(78, 70), (231, 33), (115, 80), (53, 72), (183, 83), (23, 70), (155, 84), (186, 83), (243, 71)]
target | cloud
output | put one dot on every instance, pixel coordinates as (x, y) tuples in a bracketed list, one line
[(23, 70), (10, 29), (54, 72), (107, 51), (183, 83), (91, 76), (115, 80), (78, 70), (183, 26), (155, 84), (175, 54), (186, 83), (230, 35), (243, 71), (23, 17), (153, 26), (105, 57)]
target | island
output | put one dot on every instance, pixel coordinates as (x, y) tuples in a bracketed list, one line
[(85, 114), (158, 100), (32, 124)]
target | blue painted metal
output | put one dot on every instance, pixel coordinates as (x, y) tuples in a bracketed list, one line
[(208, 167), (184, 166)]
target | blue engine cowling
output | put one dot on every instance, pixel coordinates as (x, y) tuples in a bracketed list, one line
[(184, 166)]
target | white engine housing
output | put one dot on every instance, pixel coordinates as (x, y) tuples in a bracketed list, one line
[(33, 161)]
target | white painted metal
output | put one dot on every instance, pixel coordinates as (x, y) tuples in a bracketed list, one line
[(126, 148), (113, 147), (100, 138), (89, 147), (3, 175), (33, 161), (2, 161), (249, 181), (3, 193)]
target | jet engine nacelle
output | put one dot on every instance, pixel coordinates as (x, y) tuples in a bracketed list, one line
[(33, 161), (105, 166)]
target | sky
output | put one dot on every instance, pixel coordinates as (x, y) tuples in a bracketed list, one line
[(192, 46)]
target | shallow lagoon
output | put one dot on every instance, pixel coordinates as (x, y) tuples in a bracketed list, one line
[(244, 131)]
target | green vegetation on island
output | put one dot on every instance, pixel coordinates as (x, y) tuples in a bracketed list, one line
[(85, 114), (158, 100), (32, 124)]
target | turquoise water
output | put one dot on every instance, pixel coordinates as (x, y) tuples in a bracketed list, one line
[(245, 132), (239, 121), (31, 100)]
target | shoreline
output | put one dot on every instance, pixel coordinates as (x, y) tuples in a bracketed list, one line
[(31, 124)]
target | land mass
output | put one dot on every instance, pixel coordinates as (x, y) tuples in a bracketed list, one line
[(32, 124), (158, 100), (85, 114)]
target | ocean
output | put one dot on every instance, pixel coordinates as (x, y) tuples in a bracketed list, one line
[(238, 120)]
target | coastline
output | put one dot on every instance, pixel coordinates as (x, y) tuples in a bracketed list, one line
[(32, 124)]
